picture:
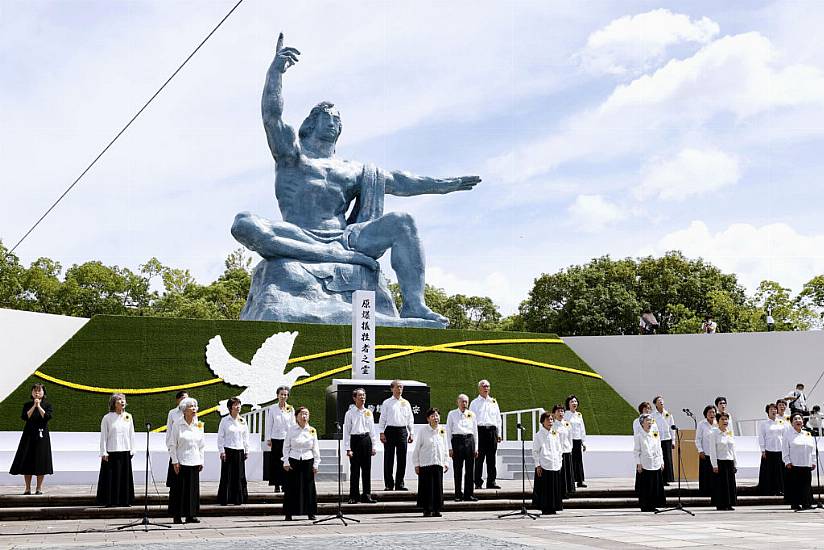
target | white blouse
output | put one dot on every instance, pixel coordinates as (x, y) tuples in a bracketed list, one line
[(721, 447), (173, 416), (564, 431), (358, 421), (546, 449), (278, 421), (187, 443), (233, 434), (576, 420), (301, 444), (647, 450), (771, 434), (431, 447), (461, 423), (116, 433), (663, 422), (799, 449), (702, 436)]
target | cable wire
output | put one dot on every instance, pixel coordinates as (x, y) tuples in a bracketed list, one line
[(122, 130)]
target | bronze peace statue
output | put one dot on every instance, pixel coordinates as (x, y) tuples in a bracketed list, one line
[(318, 255)]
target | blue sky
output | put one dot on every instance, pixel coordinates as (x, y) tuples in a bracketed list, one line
[(619, 128)]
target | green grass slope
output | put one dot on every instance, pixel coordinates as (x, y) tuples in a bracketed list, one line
[(144, 352)]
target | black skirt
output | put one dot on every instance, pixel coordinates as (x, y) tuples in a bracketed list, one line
[(430, 488), (33, 456), (184, 496), (115, 484), (170, 475), (232, 488), (277, 475), (669, 467), (301, 497), (705, 476), (724, 493), (799, 487), (548, 491), (578, 460), (649, 486), (771, 474), (568, 476)]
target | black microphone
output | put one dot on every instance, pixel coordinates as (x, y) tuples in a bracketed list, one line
[(519, 426), (148, 425), (674, 428)]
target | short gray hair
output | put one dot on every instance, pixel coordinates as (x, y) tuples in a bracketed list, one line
[(186, 403), (480, 382), (643, 418), (463, 396), (113, 399)]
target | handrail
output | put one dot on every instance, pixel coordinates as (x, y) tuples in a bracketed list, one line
[(535, 415), (255, 420)]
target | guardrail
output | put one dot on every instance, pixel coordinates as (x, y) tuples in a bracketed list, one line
[(255, 419), (532, 425)]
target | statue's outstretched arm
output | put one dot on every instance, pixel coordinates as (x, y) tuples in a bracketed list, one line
[(281, 136), (404, 184)]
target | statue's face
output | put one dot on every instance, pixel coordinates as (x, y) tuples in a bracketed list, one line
[(328, 125)]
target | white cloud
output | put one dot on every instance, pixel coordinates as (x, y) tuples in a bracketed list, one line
[(637, 43), (495, 285), (592, 213), (690, 172), (774, 251)]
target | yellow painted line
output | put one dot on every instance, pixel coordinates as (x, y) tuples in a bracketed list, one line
[(128, 391)]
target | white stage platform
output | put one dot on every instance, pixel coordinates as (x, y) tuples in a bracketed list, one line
[(76, 458)]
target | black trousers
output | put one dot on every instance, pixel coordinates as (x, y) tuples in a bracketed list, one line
[(396, 443), (669, 468), (300, 497), (430, 488), (771, 474), (649, 486), (232, 487), (724, 493), (799, 487), (487, 451), (360, 464), (277, 475), (568, 476), (578, 460), (463, 460), (705, 476), (184, 495)]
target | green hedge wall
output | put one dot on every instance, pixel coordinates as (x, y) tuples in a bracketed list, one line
[(144, 352)]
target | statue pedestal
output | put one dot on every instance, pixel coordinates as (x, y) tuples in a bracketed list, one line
[(291, 291)]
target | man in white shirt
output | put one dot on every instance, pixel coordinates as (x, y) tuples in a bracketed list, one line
[(488, 416), (360, 444), (798, 401), (665, 423), (462, 437), (396, 426), (173, 416)]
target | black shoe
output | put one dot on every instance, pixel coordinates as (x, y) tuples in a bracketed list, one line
[(427, 514), (472, 499), (795, 507), (436, 514), (367, 499), (312, 517), (479, 485), (277, 488), (353, 501), (551, 512), (288, 518), (493, 486), (458, 499), (580, 484), (177, 520), (401, 488), (192, 520), (388, 489)]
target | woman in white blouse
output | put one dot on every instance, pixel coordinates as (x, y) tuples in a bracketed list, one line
[(430, 460), (563, 428), (115, 485), (771, 434), (301, 459), (649, 466), (186, 445), (702, 443), (724, 464), (799, 457), (579, 435), (279, 418), (233, 446), (548, 489)]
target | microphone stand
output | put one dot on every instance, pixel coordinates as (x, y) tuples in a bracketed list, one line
[(678, 506), (339, 514), (145, 521), (523, 512)]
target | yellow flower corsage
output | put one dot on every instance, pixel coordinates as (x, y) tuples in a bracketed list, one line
[(200, 425), (494, 401), (289, 408), (127, 418), (313, 432), (367, 413), (242, 421), (553, 432), (469, 414), (441, 431), (666, 415), (577, 413), (402, 402), (729, 433), (566, 423), (654, 434)]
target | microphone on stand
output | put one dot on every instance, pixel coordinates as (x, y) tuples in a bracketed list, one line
[(519, 426), (148, 425)]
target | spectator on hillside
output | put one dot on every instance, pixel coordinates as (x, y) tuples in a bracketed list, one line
[(797, 400), (648, 324), (709, 326)]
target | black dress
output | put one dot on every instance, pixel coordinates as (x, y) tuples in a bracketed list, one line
[(548, 491), (33, 455)]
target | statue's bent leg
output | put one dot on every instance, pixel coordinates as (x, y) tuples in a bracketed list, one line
[(276, 239), (397, 231)]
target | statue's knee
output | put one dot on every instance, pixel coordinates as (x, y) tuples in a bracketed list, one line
[(241, 224), (405, 222)]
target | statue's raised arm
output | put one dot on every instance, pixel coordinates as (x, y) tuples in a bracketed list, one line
[(282, 140)]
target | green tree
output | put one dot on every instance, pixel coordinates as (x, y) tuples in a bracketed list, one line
[(811, 297), (788, 313), (463, 312)]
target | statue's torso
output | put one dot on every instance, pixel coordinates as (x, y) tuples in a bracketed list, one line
[(314, 193)]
